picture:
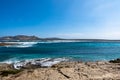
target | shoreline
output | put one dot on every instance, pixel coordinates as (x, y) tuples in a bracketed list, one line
[(44, 62), (3, 44), (107, 70)]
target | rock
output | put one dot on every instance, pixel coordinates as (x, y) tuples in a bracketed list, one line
[(69, 71), (115, 61), (4, 66)]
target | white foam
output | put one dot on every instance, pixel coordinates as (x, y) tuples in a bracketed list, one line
[(21, 44), (10, 61), (61, 41), (30, 44), (52, 62), (44, 62)]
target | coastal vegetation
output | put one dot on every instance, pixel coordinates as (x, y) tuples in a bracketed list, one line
[(8, 72)]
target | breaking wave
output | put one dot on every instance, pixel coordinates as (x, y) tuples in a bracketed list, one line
[(22, 44), (30, 44), (42, 62)]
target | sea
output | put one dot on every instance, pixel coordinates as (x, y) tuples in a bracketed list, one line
[(50, 52)]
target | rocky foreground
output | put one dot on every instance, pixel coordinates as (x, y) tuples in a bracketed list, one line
[(65, 71)]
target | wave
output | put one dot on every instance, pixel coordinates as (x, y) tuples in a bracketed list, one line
[(30, 44), (22, 44), (42, 62), (59, 41), (10, 61)]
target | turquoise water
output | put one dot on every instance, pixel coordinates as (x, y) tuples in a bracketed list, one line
[(85, 51)]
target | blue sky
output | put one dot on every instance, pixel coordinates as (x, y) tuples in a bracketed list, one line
[(61, 18)]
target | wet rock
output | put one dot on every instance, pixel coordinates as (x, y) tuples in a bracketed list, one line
[(115, 61)]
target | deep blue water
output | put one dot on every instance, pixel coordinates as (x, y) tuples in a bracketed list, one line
[(85, 51)]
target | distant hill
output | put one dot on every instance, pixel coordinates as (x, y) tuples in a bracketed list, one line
[(35, 38), (25, 38), (19, 38)]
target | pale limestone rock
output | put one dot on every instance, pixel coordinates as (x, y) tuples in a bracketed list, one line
[(70, 71)]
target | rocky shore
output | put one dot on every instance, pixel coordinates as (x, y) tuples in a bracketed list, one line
[(64, 71)]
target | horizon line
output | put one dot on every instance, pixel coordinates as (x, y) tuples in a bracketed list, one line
[(62, 38)]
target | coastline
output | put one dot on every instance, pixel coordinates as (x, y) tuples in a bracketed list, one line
[(57, 68), (6, 44), (100, 70)]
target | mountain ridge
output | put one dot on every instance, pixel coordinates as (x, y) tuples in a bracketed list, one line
[(35, 38)]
